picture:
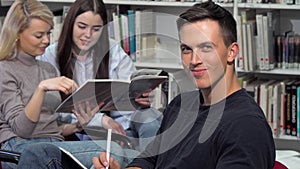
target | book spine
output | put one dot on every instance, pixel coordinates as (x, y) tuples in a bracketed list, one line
[(116, 24), (278, 51), (287, 52), (288, 109), (266, 43), (297, 52), (283, 39), (131, 24), (125, 33), (283, 110), (120, 18), (240, 60), (263, 99), (270, 40), (260, 54), (138, 39), (245, 46), (294, 109), (270, 106), (250, 46), (276, 108), (291, 52), (298, 111)]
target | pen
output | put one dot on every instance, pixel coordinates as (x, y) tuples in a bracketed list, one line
[(108, 146)]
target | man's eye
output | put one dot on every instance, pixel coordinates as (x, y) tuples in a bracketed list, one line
[(206, 48), (186, 50)]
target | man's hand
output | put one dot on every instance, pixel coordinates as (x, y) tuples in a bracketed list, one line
[(109, 123), (101, 162)]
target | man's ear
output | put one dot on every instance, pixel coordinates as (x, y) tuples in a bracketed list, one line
[(233, 51)]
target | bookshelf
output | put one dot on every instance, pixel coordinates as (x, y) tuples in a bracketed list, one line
[(284, 18)]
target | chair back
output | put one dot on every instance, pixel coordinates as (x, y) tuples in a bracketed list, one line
[(279, 165)]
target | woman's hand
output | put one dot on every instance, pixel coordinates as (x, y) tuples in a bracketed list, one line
[(62, 83), (109, 123), (85, 113), (145, 99)]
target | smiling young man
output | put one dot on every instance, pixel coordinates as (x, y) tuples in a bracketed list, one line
[(224, 130)]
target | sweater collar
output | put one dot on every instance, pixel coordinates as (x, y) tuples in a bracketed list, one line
[(26, 59)]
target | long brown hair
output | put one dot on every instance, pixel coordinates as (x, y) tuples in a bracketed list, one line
[(100, 49)]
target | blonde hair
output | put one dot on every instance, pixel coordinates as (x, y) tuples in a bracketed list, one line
[(17, 20)]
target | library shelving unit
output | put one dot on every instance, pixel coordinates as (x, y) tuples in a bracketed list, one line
[(289, 20)]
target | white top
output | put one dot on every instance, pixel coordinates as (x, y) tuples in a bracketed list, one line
[(120, 67)]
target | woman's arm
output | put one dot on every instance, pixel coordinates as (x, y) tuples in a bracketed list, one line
[(33, 108), (68, 129)]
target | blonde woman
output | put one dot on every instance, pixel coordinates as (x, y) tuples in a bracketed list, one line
[(29, 89)]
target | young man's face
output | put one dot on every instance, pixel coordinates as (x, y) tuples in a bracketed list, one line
[(203, 52)]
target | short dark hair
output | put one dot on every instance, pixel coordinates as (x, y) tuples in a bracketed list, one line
[(210, 10)]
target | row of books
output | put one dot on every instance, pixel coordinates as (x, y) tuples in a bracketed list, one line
[(255, 37), (287, 51), (135, 30), (279, 100), (262, 46), (288, 2)]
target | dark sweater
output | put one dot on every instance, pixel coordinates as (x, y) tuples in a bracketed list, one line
[(232, 134)]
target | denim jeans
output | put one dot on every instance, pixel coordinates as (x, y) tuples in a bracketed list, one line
[(49, 156), (44, 152), (144, 126), (18, 144)]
